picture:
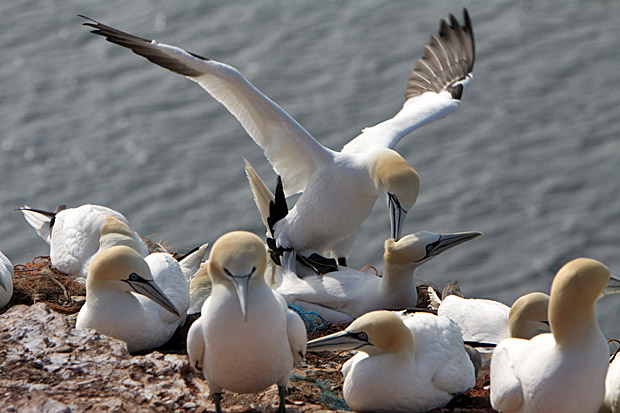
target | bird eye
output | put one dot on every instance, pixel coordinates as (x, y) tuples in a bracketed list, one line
[(431, 247), (134, 277), (362, 336)]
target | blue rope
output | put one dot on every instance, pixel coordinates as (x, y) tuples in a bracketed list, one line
[(313, 320), (327, 397)]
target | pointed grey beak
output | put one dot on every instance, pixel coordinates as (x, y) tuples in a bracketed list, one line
[(241, 286), (338, 341), (447, 241), (613, 286), (397, 216), (149, 289)]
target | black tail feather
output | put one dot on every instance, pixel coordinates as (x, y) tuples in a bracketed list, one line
[(278, 208)]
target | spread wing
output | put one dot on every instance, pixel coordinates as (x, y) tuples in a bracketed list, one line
[(292, 151), (435, 86)]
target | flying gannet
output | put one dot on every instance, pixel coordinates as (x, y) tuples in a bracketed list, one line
[(345, 294), (246, 338), (73, 234), (139, 300), (339, 188), (6, 280), (412, 363), (563, 370)]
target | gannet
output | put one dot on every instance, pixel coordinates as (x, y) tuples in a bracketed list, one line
[(611, 403), (6, 280), (339, 188), (138, 300), (199, 289), (116, 232), (414, 364), (490, 321), (246, 338), (73, 234), (563, 370), (345, 294)]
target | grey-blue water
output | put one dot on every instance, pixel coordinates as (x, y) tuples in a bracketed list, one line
[(531, 158)]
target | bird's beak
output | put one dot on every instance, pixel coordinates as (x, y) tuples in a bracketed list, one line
[(447, 241), (241, 286), (397, 216), (337, 341), (149, 289), (613, 286)]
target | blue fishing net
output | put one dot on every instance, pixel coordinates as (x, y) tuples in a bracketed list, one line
[(313, 320), (327, 397)]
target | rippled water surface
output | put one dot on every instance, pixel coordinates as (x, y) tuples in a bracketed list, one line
[(531, 158)]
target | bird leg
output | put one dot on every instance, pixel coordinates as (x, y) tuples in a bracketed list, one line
[(217, 397), (282, 394)]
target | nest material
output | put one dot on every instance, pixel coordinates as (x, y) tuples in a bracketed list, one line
[(39, 281)]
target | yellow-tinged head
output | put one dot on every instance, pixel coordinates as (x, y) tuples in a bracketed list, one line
[(238, 252), (392, 172), (116, 232), (373, 333), (385, 329), (115, 225), (238, 257), (528, 316), (122, 268), (574, 292), (116, 263), (398, 182), (422, 246)]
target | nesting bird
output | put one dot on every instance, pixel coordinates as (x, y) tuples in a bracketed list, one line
[(611, 403), (6, 280), (346, 294), (246, 338), (404, 363), (74, 234), (563, 370), (339, 188), (139, 300), (199, 289), (490, 321)]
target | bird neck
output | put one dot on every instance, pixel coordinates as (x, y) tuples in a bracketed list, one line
[(101, 297), (573, 325), (398, 283)]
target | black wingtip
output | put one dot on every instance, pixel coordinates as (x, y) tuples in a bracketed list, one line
[(40, 211), (470, 29), (181, 257)]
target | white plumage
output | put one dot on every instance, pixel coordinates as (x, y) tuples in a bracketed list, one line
[(246, 338), (139, 300), (339, 188), (415, 363), (563, 370), (74, 234), (612, 388), (346, 294), (6, 280)]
